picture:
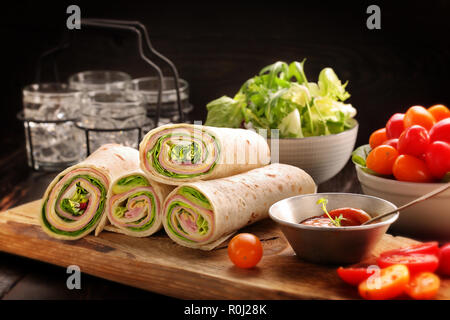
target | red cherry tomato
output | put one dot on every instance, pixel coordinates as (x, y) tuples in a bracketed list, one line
[(441, 131), (416, 262), (413, 141), (437, 158), (392, 143), (351, 216), (425, 248), (395, 126), (245, 250), (354, 276), (444, 264), (411, 169), (420, 116), (423, 286), (381, 159), (439, 112), (377, 138)]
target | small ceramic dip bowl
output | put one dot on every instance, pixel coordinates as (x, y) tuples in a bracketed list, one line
[(331, 245)]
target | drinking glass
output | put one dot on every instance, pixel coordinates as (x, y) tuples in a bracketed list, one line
[(114, 117), (52, 140), (100, 80), (148, 88)]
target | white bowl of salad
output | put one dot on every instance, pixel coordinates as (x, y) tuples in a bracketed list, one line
[(304, 121)]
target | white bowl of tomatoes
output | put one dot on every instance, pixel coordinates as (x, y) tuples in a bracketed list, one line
[(407, 159)]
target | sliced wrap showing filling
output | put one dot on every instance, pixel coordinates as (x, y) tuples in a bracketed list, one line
[(133, 204), (182, 152), (76, 202), (190, 216), (177, 153), (203, 214)]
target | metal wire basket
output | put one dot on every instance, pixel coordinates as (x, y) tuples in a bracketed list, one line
[(143, 44)]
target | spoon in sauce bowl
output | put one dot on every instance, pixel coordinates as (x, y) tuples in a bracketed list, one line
[(409, 204)]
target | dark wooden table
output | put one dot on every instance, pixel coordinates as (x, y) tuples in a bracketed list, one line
[(22, 278)]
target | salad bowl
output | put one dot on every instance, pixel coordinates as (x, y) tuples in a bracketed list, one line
[(309, 123), (322, 157)]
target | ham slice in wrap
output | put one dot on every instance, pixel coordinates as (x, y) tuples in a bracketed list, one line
[(203, 214), (75, 200), (134, 204), (177, 153)]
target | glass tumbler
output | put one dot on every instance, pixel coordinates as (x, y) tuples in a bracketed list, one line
[(113, 117), (148, 88), (96, 80), (52, 140)]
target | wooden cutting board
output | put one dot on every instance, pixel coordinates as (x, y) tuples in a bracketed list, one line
[(157, 264)]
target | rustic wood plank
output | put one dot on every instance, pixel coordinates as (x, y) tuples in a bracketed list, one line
[(159, 265)]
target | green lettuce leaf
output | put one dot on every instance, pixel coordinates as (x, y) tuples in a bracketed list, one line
[(331, 86), (120, 211), (224, 112), (359, 156), (195, 196), (72, 205), (291, 126), (127, 183), (202, 225), (268, 100)]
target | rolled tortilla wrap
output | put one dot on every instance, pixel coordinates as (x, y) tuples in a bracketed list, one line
[(178, 153), (203, 214), (75, 200), (135, 204)]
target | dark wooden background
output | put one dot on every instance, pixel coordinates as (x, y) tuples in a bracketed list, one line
[(216, 47)]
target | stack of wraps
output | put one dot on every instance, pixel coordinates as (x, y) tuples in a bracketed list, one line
[(201, 183), (76, 201), (178, 153)]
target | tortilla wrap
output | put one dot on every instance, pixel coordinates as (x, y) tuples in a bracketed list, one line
[(75, 201), (178, 153), (134, 204), (203, 214)]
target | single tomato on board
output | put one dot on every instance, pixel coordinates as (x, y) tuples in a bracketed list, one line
[(425, 248), (377, 138), (416, 262), (411, 169), (420, 116), (413, 141), (354, 276), (439, 112), (423, 286), (390, 284), (395, 126), (245, 250), (444, 263), (381, 159)]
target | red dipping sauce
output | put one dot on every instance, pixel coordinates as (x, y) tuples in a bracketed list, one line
[(350, 217)]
